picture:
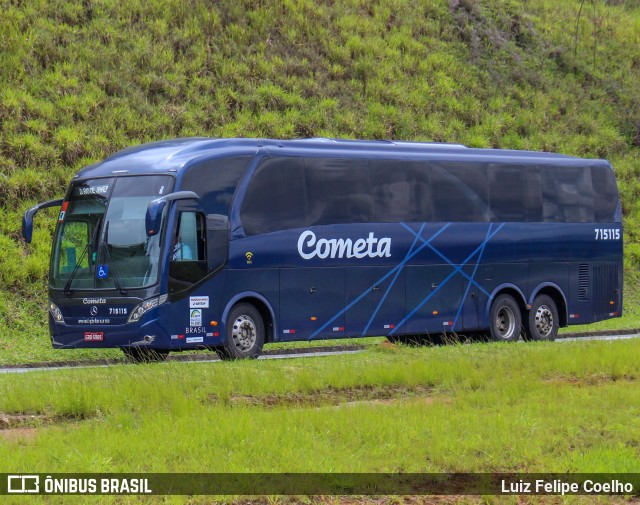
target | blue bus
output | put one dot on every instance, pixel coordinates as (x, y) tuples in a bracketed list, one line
[(227, 244)]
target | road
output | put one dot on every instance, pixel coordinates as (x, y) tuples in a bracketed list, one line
[(285, 354)]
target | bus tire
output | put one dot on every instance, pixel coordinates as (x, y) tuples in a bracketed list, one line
[(505, 319), (543, 320), (245, 333), (144, 355)]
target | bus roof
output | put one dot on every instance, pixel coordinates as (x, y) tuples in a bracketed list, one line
[(177, 154)]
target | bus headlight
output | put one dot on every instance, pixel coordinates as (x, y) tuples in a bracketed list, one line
[(140, 309), (56, 313)]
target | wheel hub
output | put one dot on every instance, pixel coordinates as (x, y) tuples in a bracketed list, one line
[(244, 332), (505, 322), (544, 320)]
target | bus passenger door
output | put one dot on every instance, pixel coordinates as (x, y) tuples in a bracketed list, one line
[(434, 297), (311, 303), (375, 300)]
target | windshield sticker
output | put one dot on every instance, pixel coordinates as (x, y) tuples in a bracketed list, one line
[(92, 190), (195, 317), (161, 190), (63, 211), (198, 302), (102, 271)]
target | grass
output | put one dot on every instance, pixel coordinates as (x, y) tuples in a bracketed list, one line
[(468, 408)]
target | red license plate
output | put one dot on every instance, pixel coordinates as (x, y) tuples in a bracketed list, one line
[(93, 336)]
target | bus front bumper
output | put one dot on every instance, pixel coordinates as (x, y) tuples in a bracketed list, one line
[(150, 334)]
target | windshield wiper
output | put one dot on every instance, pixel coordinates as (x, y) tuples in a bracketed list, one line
[(67, 286), (105, 244)]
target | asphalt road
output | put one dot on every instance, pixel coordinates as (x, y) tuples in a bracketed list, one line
[(285, 354)]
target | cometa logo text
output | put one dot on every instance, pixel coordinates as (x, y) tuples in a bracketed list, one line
[(310, 247)]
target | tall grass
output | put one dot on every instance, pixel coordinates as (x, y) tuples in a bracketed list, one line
[(569, 408)]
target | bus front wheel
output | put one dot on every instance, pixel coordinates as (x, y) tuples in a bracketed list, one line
[(245, 333), (543, 320), (505, 319)]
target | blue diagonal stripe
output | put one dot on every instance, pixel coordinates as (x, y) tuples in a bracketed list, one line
[(472, 281), (447, 260), (382, 279), (393, 281), (446, 280)]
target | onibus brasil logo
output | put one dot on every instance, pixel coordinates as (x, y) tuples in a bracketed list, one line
[(309, 247)]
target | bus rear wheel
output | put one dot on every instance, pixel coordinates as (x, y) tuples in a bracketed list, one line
[(144, 355), (543, 320), (245, 333), (505, 319)]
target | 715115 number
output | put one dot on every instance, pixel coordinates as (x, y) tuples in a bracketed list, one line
[(607, 234)]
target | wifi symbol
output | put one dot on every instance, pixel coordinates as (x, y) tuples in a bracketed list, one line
[(249, 257)]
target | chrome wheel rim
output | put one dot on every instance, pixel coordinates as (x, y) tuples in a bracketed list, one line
[(244, 333), (505, 322), (544, 321)]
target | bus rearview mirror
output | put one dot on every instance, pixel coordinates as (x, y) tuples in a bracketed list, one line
[(153, 218), (27, 219)]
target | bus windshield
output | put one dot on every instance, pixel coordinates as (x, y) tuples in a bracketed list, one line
[(101, 241)]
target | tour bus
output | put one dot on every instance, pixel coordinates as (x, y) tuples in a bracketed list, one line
[(227, 244)]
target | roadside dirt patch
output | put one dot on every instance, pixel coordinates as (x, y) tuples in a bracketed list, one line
[(14, 426), (590, 380), (19, 433), (17, 421), (356, 395)]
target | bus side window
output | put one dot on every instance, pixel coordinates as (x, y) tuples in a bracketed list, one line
[(400, 191), (605, 200), (338, 191), (515, 193), (459, 191), (567, 194), (188, 251), (275, 199)]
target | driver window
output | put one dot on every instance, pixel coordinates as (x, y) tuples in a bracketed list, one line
[(188, 251), (185, 240)]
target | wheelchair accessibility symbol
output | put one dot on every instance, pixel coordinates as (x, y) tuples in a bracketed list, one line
[(102, 272)]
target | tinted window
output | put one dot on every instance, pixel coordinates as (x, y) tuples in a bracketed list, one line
[(567, 194), (188, 252), (215, 182), (400, 191), (459, 191), (338, 191), (605, 199), (515, 193), (275, 199)]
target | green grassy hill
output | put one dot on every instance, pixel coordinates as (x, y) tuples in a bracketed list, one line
[(82, 79)]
